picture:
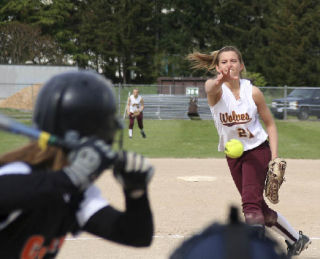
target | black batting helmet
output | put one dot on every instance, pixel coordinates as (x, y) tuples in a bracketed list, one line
[(80, 101), (235, 240)]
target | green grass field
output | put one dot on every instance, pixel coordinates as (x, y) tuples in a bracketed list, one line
[(198, 139), (180, 138)]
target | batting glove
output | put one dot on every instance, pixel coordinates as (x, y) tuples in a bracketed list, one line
[(133, 172), (88, 161)]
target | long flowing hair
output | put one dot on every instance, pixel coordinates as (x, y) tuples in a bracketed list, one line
[(209, 62), (53, 158)]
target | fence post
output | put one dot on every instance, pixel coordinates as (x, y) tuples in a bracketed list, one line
[(159, 117), (119, 96), (32, 96), (285, 102)]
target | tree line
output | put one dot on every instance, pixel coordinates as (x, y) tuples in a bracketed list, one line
[(137, 41)]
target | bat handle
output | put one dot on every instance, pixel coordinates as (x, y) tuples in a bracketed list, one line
[(46, 139), (43, 138)]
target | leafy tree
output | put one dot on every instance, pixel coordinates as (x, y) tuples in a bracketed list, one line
[(20, 43), (185, 25), (240, 23), (120, 36), (291, 53), (209, 25), (136, 38), (256, 78), (54, 24), (135, 41)]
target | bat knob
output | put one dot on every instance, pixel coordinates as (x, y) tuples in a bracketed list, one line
[(72, 138)]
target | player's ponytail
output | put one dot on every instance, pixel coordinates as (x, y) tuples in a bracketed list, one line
[(203, 61), (53, 158), (209, 62)]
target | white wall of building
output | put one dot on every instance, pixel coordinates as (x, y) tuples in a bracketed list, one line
[(15, 77)]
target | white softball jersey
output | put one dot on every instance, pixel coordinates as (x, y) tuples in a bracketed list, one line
[(135, 103), (238, 118)]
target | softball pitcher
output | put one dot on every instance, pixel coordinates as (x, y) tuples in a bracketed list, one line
[(236, 105), (46, 194)]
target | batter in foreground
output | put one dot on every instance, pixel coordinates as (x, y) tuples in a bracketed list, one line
[(46, 194)]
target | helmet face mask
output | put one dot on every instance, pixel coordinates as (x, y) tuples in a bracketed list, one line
[(81, 101)]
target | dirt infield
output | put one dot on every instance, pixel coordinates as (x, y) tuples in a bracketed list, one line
[(189, 194)]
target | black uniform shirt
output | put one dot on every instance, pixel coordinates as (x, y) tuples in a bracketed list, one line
[(38, 209)]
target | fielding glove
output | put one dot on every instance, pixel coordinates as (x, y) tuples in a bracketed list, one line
[(133, 172), (274, 179), (88, 161)]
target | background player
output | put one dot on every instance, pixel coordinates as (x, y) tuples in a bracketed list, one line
[(236, 105), (135, 106), (46, 194)]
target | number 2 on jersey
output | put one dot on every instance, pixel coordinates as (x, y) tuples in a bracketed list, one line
[(244, 133)]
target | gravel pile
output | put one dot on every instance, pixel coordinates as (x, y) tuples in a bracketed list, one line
[(22, 100)]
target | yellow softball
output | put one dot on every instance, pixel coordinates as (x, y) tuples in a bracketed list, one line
[(233, 148)]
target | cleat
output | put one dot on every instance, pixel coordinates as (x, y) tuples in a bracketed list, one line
[(301, 244), (143, 134)]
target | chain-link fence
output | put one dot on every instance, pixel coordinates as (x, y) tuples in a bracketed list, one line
[(17, 100), (286, 102), (293, 102)]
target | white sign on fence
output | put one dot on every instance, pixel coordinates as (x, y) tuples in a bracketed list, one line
[(192, 91)]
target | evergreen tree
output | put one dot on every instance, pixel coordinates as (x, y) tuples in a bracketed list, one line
[(185, 26), (291, 53), (240, 23), (139, 40), (117, 37), (209, 25)]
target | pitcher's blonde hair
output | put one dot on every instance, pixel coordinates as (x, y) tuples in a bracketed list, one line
[(209, 62)]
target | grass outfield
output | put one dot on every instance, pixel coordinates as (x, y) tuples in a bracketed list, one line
[(198, 139)]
